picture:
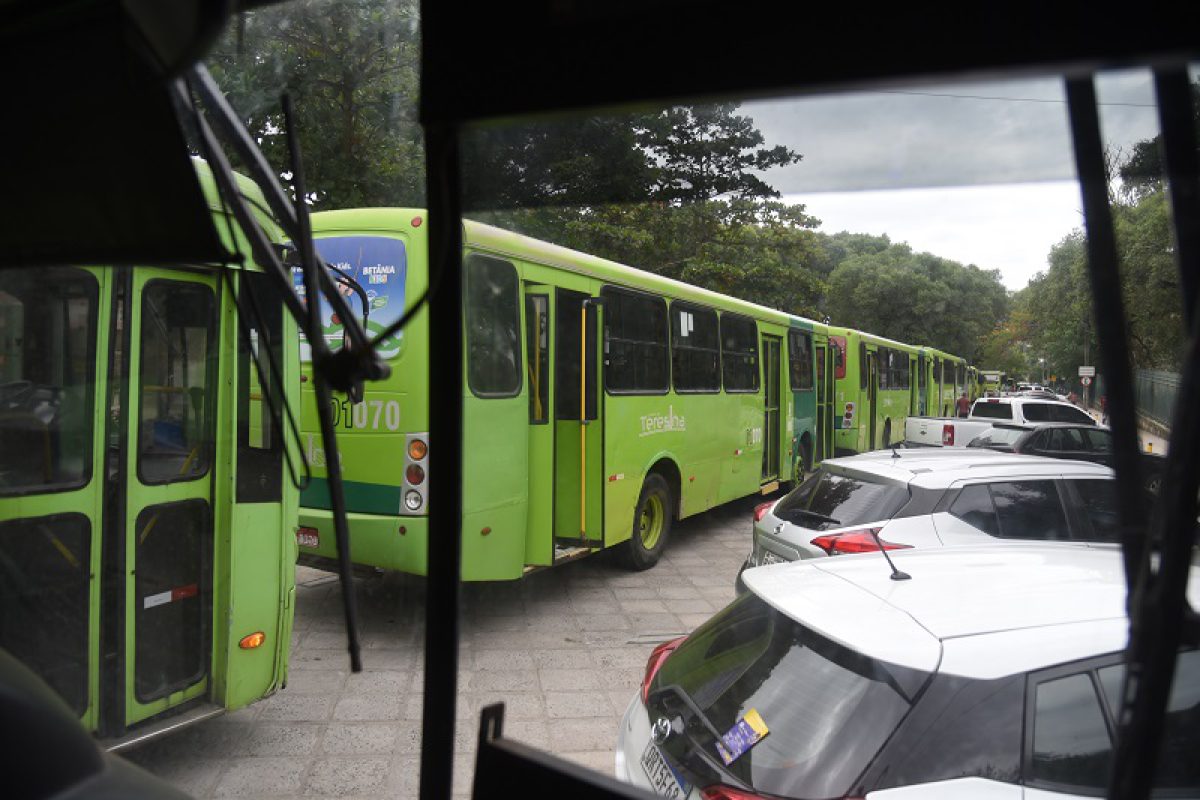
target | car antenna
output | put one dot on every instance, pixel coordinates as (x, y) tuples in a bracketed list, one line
[(895, 449), (897, 575)]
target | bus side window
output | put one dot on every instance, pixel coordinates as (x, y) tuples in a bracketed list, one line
[(175, 381), (493, 322), (695, 348), (739, 353), (800, 360), (259, 441), (635, 343)]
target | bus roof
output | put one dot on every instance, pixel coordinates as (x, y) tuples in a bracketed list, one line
[(502, 242)]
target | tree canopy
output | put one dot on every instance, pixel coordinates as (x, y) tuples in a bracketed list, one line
[(682, 191)]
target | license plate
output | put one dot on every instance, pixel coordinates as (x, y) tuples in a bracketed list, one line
[(308, 537), (663, 779), (770, 558)]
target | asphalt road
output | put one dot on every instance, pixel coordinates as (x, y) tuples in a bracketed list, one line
[(564, 649)]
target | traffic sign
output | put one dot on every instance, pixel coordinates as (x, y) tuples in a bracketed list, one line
[(1087, 372), (1086, 380)]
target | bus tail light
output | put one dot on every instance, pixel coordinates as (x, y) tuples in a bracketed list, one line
[(252, 641), (414, 494), (947, 435), (860, 541), (657, 656)]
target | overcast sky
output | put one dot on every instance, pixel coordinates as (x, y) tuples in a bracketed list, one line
[(979, 173)]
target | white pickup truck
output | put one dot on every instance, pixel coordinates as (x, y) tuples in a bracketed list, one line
[(956, 431)]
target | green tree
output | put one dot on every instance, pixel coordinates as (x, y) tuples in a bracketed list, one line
[(351, 69), (917, 298)]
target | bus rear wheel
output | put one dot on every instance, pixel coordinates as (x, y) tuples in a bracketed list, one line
[(651, 524)]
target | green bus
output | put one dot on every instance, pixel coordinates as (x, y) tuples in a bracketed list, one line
[(603, 402), (874, 390), (942, 378), (147, 542)]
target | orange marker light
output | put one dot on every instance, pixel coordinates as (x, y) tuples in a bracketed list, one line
[(416, 222), (252, 641), (417, 449)]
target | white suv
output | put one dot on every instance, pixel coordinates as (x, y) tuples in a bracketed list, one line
[(1024, 410), (897, 499), (991, 673)]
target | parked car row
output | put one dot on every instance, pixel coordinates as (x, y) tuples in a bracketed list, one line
[(971, 645)]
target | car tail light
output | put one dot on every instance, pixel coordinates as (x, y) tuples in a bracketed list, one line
[(722, 792), (948, 435), (761, 510), (657, 656), (863, 541)]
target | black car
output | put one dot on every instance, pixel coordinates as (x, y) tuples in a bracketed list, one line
[(1065, 440)]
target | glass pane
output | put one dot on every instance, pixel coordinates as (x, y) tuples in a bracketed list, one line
[(537, 347), (635, 343), (45, 572), (992, 410), (1099, 501), (47, 383), (739, 353), (843, 500), (260, 360), (974, 507), (493, 325), (1070, 738), (1067, 440), (695, 349), (175, 382), (172, 597), (1029, 510)]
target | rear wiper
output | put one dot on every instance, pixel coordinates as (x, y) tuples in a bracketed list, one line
[(804, 512)]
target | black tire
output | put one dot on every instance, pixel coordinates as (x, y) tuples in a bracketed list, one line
[(651, 524)]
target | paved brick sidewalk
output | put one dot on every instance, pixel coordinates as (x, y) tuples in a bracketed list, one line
[(564, 649)]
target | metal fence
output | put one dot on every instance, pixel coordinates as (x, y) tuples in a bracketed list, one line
[(1156, 392)]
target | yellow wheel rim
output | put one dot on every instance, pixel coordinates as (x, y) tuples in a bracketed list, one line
[(650, 522)]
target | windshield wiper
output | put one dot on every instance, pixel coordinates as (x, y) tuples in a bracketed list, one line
[(804, 512)]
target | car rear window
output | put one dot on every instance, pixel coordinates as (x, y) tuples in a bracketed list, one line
[(997, 437), (1039, 412), (991, 410), (829, 500), (829, 709)]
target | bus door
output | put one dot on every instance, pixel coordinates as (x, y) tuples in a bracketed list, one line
[(578, 430), (539, 343), (872, 367), (824, 391), (771, 399), (157, 603), (54, 324)]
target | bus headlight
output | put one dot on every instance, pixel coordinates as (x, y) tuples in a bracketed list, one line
[(412, 500)]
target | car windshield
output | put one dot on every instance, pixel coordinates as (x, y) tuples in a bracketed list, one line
[(828, 708), (833, 500)]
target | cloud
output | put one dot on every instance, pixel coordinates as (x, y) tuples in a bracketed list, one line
[(981, 173), (1010, 228), (943, 135)]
